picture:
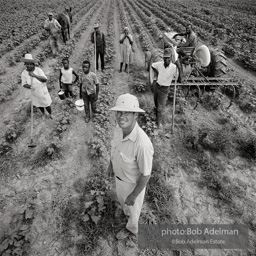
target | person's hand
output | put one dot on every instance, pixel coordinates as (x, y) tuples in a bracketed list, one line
[(130, 200), (27, 86), (31, 74)]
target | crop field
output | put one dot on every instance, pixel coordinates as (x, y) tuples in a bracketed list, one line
[(57, 198)]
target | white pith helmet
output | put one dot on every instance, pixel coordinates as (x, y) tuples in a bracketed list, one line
[(128, 103)]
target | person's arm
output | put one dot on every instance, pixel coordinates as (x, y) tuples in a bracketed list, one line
[(144, 160), (130, 38), (80, 90), (42, 78), (110, 170), (57, 24), (97, 91), (155, 73), (46, 25), (24, 81), (104, 43), (92, 37), (141, 184), (60, 79), (76, 75), (123, 36)]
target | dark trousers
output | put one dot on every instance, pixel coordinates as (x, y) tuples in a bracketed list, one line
[(68, 90), (160, 99), (101, 55), (89, 99)]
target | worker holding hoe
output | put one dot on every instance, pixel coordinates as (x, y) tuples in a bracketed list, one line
[(131, 161), (99, 37), (89, 90), (54, 28), (33, 78), (164, 72), (66, 78)]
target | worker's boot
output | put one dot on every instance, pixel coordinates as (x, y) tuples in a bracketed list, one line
[(125, 70), (121, 66)]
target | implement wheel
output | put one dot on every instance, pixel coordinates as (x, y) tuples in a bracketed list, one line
[(218, 65)]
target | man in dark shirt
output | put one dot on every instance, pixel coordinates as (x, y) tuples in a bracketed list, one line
[(100, 46), (190, 36)]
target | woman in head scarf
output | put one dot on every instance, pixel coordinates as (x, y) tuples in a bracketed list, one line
[(126, 42)]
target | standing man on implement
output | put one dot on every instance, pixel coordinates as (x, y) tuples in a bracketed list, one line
[(131, 161), (54, 28), (126, 42), (89, 90), (100, 46), (164, 72)]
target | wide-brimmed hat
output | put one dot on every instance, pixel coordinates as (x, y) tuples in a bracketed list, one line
[(96, 25), (128, 103), (168, 52), (28, 58), (50, 14)]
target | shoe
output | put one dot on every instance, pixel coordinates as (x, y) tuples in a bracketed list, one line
[(51, 116), (87, 119), (103, 71), (120, 71), (122, 234)]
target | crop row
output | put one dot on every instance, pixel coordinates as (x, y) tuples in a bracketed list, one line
[(143, 37), (237, 35), (24, 21)]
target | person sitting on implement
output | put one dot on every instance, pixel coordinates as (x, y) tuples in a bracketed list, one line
[(66, 78)]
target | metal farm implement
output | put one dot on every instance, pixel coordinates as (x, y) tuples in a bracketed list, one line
[(202, 71)]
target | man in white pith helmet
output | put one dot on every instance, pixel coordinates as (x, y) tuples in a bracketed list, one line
[(131, 161)]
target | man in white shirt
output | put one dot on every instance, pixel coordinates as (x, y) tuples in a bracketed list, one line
[(164, 72), (53, 27), (131, 160)]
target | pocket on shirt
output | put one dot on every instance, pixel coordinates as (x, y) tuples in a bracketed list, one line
[(127, 159)]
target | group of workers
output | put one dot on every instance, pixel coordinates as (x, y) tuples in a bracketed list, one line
[(131, 149)]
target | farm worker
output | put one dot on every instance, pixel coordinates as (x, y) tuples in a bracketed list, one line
[(100, 45), (33, 78), (190, 36), (164, 72), (89, 90), (66, 78), (131, 160), (126, 42), (170, 42), (53, 27)]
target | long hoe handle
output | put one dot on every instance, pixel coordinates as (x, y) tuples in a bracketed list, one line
[(31, 145), (174, 98)]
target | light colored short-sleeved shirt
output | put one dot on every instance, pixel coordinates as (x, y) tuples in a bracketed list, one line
[(165, 74), (67, 75), (89, 82), (131, 156)]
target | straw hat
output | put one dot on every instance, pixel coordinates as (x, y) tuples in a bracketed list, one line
[(28, 58), (50, 14), (126, 29), (127, 102), (96, 25)]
